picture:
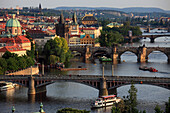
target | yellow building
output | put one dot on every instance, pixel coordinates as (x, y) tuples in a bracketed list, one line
[(114, 24), (89, 19)]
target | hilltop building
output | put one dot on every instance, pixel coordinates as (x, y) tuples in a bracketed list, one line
[(89, 19), (114, 24)]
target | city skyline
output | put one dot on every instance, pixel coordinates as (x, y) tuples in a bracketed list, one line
[(163, 4)]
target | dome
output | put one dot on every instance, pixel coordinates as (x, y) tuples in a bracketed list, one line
[(13, 23)]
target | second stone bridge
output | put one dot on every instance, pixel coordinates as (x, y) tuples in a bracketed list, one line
[(115, 53), (106, 85)]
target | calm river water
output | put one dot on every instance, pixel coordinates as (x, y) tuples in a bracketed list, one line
[(68, 94)]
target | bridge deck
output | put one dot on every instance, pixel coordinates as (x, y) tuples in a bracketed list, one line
[(88, 77)]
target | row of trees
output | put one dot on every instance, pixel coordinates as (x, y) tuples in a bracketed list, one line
[(129, 104), (13, 62), (57, 50), (115, 35)]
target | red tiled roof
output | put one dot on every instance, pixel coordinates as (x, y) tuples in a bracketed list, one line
[(11, 49), (18, 39), (35, 31), (21, 39)]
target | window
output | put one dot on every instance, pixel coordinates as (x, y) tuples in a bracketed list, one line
[(15, 30)]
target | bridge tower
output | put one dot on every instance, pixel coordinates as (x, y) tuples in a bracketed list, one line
[(152, 39), (142, 54), (103, 89), (114, 55)]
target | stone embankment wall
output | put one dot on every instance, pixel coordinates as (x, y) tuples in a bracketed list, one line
[(35, 70)]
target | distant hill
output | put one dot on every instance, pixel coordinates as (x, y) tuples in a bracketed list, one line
[(126, 10)]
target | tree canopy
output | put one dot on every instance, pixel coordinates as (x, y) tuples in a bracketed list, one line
[(110, 38), (59, 48)]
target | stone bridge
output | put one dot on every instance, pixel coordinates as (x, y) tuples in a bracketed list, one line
[(115, 53), (106, 85), (152, 36)]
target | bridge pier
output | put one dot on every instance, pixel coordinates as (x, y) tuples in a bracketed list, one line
[(31, 87), (152, 39), (103, 89), (142, 54), (168, 58), (87, 53), (115, 56)]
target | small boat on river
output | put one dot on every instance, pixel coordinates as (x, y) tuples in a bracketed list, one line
[(6, 86), (105, 101), (151, 69), (105, 59)]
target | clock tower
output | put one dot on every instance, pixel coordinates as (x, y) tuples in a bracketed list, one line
[(74, 26)]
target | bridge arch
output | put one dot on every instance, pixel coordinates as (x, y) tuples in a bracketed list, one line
[(100, 53), (126, 51), (124, 84), (161, 52), (94, 85)]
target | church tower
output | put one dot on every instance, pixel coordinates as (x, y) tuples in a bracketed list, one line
[(74, 26)]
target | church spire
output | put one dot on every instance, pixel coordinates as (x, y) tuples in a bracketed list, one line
[(61, 19), (74, 18)]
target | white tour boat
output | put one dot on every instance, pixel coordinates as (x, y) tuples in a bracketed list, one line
[(106, 101), (6, 86)]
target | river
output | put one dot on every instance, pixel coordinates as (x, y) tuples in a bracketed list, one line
[(68, 94)]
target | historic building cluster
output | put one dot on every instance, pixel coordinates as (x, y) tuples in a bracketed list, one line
[(15, 28), (13, 40), (82, 33)]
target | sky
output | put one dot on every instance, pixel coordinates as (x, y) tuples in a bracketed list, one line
[(163, 4)]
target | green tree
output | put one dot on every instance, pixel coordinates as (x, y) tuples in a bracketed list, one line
[(29, 61), (3, 64), (131, 100), (71, 110), (109, 39), (1, 70), (8, 54), (22, 63), (12, 64), (158, 109), (132, 97), (59, 48), (52, 59), (115, 109), (167, 104)]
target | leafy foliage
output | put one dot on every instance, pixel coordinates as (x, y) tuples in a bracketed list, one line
[(131, 100), (158, 109), (59, 48), (109, 39), (71, 110), (167, 104), (13, 62)]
